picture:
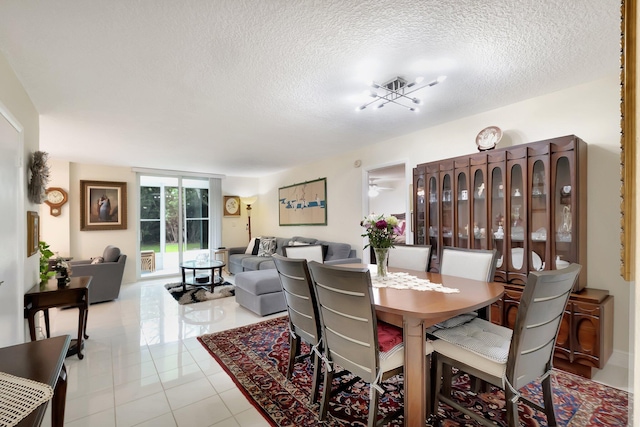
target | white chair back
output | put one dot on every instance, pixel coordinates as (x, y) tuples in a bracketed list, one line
[(410, 257), (474, 264)]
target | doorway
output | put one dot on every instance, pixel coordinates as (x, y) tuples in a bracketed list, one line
[(174, 222), (387, 193)]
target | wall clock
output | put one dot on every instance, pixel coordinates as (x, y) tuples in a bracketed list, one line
[(231, 206), (55, 198)]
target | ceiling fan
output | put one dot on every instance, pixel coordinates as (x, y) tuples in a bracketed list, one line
[(374, 189)]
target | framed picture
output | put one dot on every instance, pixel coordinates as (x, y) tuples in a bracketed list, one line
[(33, 233), (103, 205), (304, 204), (231, 206)]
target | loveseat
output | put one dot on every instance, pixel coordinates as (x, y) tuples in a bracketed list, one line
[(257, 282), (336, 253)]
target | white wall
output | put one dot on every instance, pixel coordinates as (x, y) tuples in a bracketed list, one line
[(19, 105), (590, 111)]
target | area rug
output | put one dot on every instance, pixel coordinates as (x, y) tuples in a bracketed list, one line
[(197, 294), (256, 356)]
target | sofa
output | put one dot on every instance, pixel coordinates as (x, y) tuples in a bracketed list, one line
[(106, 274), (257, 282), (336, 253)]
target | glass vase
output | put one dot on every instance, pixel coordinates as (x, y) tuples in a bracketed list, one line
[(381, 261)]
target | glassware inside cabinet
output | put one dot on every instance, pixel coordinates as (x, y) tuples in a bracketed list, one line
[(433, 215), (516, 224), (447, 211), (563, 214), (462, 202), (479, 212), (497, 215), (539, 217), (420, 212)]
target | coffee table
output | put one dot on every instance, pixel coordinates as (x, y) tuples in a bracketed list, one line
[(210, 280)]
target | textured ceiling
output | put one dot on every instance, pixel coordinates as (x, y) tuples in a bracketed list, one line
[(242, 87)]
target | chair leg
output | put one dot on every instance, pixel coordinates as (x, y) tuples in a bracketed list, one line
[(294, 350), (512, 408), (373, 406), (547, 395), (315, 385), (326, 394), (437, 383)]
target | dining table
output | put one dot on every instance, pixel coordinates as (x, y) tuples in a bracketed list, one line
[(415, 311)]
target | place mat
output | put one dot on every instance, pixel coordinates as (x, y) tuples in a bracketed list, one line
[(19, 397), (407, 281)]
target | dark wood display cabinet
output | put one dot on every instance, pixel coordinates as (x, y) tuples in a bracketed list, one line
[(529, 202)]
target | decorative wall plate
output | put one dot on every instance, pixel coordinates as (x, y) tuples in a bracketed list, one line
[(488, 138)]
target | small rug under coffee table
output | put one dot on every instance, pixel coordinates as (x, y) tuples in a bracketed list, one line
[(195, 294), (256, 358)]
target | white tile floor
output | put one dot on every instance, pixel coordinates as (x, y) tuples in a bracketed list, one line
[(144, 367)]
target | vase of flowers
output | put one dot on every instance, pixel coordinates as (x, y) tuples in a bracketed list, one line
[(382, 232)]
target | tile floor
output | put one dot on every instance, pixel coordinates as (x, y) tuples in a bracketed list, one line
[(144, 367)]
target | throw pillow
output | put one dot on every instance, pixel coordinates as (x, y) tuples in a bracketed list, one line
[(256, 247), (97, 260), (267, 246), (308, 252), (250, 246)]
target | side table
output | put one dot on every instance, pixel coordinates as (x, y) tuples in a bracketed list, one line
[(49, 295), (225, 257), (41, 361)]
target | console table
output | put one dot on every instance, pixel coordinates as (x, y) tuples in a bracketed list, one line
[(41, 361), (48, 295)]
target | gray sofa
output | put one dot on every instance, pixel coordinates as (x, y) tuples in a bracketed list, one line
[(257, 283), (337, 253)]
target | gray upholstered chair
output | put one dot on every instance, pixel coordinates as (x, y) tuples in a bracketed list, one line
[(350, 333), (304, 320), (106, 274), (509, 359), (410, 257)]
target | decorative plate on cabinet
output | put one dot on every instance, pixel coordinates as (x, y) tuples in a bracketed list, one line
[(488, 138)]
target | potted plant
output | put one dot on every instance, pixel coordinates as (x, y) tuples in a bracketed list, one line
[(45, 254)]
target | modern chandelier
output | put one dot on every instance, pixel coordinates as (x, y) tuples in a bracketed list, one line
[(397, 91)]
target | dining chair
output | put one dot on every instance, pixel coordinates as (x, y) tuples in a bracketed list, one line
[(509, 359), (304, 321), (410, 257), (475, 264), (351, 333)]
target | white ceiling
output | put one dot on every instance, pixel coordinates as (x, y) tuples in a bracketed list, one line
[(250, 87)]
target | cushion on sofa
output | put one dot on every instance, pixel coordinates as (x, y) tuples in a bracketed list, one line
[(267, 246), (259, 282), (250, 246), (253, 262), (335, 250), (300, 239)]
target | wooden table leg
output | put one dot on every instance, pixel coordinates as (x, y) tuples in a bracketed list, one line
[(81, 331), (46, 322), (32, 324), (59, 399), (415, 369)]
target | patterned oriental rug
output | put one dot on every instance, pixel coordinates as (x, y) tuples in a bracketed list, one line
[(255, 356)]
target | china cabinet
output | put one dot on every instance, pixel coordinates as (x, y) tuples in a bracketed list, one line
[(526, 201), (529, 203)]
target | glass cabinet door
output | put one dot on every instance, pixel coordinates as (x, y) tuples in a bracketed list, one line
[(497, 213), (479, 211), (462, 211), (420, 211), (517, 217), (447, 210), (434, 229), (563, 215), (539, 221)]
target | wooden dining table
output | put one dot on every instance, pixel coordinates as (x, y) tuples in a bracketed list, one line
[(415, 311)]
